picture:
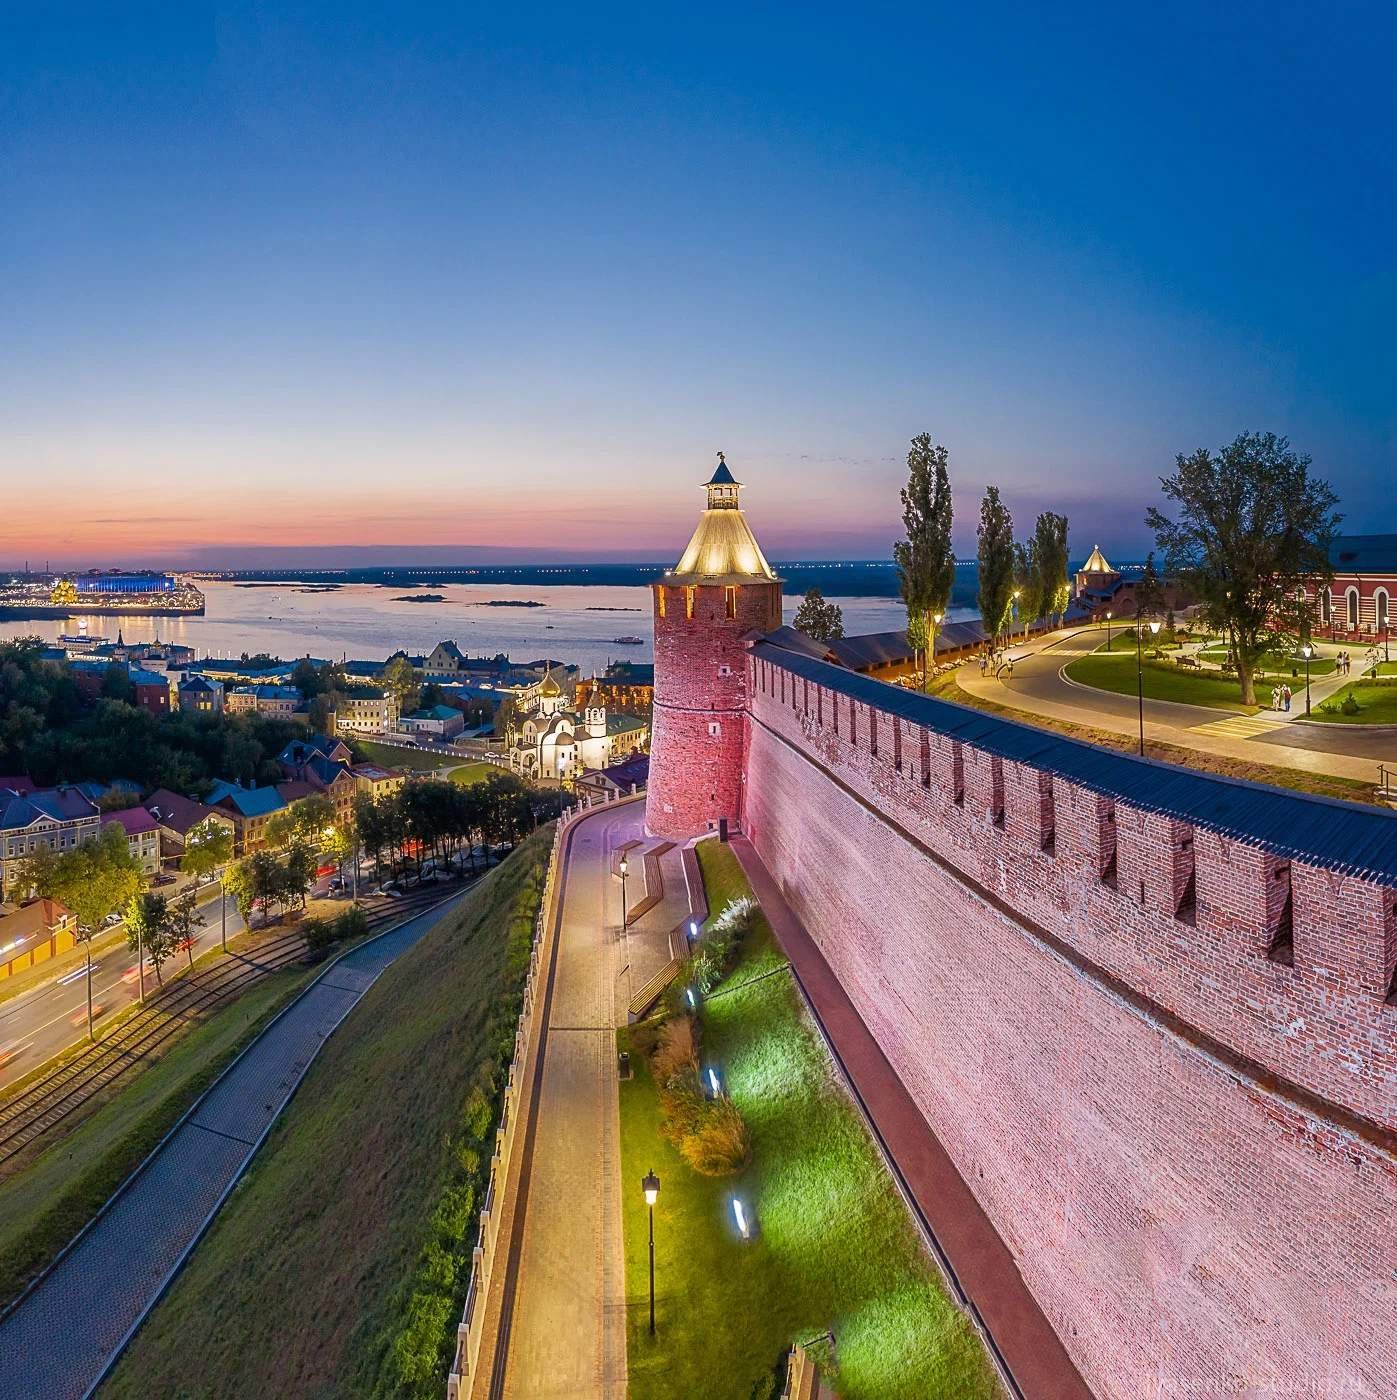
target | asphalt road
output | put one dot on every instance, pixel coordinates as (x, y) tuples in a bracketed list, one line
[(47, 1019)]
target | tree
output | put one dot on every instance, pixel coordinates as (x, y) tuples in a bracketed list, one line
[(94, 880), (1027, 594), (207, 849), (184, 924), (116, 683), (819, 620), (305, 820), (926, 563), (1252, 527), (1149, 592), (37, 875), (1050, 564), (400, 679), (996, 558), (255, 880), (148, 933)]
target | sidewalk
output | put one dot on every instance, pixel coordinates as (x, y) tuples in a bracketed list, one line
[(982, 1263)]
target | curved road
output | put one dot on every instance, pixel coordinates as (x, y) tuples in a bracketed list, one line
[(1038, 687)]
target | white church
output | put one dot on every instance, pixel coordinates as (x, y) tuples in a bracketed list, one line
[(551, 740)]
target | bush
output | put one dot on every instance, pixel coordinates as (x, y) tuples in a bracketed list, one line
[(1350, 705), (677, 1049), (682, 1108), (320, 938), (721, 1144)]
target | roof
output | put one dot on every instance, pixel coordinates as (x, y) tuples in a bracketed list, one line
[(200, 683), (294, 790), (140, 676), (247, 802), (722, 549), (722, 476), (375, 772), (134, 821), (327, 770), (630, 673), (548, 686), (451, 650), (178, 813), (300, 751), (872, 649), (439, 712), (63, 804), (38, 916), (634, 770), (875, 648), (1342, 836), (1364, 554), (1096, 562), (17, 783)]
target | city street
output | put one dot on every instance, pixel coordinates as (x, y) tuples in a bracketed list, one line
[(44, 1021)]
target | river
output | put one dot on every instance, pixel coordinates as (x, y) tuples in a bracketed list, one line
[(576, 624)]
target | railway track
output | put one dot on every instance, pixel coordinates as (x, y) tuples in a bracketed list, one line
[(48, 1100)]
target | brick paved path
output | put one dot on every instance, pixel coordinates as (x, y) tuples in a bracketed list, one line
[(59, 1340), (568, 1330)]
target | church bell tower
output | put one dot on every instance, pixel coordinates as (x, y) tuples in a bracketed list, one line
[(721, 592)]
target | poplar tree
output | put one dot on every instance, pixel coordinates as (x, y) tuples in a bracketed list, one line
[(1050, 564), (1149, 593), (1252, 527), (926, 562), (996, 559)]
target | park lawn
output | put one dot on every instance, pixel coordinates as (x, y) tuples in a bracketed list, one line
[(469, 773), (390, 756), (1293, 666), (47, 1198), (1386, 668), (1163, 681), (834, 1247), (338, 1266), (1376, 700)]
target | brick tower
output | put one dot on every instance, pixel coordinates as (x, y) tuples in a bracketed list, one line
[(721, 591)]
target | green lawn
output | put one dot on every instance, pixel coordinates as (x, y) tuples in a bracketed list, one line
[(339, 1265), (45, 1200), (834, 1247), (390, 756), (476, 772), (1293, 666), (1376, 700), (1163, 681)]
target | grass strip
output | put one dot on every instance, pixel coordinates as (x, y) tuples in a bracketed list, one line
[(834, 1247), (339, 1265), (391, 756)]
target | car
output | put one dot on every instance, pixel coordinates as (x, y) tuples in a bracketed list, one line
[(337, 883), (184, 944), (79, 1017), (112, 918), (9, 1052), (132, 975), (166, 879)]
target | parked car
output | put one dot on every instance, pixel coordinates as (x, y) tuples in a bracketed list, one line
[(112, 918), (165, 879)]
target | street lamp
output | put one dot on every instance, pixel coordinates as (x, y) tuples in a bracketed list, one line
[(623, 869), (650, 1184), (931, 650), (1108, 629), (1306, 651), (1140, 677), (1017, 591)]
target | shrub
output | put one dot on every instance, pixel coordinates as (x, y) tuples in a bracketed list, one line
[(352, 923), (721, 1144), (677, 1049), (1350, 705), (682, 1107), (320, 938)]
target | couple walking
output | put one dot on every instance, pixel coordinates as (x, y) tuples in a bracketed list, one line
[(1280, 698)]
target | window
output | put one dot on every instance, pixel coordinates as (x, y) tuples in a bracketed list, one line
[(730, 601), (1326, 605), (715, 729), (688, 602), (1381, 610), (1281, 942), (1353, 609), (660, 600), (725, 670)]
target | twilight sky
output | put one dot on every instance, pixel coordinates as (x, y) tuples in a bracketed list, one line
[(407, 275)]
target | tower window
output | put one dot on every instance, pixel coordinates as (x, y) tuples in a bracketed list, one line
[(725, 670), (730, 600), (660, 600), (688, 602), (715, 729)]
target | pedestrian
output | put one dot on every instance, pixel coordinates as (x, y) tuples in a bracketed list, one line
[(1285, 690)]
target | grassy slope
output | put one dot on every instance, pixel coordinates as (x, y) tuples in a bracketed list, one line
[(390, 756), (48, 1199), (476, 772), (1163, 681), (835, 1247), (307, 1278)]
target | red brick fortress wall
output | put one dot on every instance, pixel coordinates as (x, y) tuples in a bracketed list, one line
[(700, 715), (1189, 1143)]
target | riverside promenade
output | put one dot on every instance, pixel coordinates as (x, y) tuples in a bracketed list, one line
[(61, 1337)]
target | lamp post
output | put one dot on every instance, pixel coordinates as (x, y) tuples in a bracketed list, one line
[(1140, 677), (1306, 651), (1108, 629), (931, 646), (623, 869), (1017, 591), (650, 1184)]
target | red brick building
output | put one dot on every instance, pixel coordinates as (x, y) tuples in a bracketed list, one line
[(1359, 604)]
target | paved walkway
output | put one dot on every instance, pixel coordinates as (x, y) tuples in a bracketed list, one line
[(59, 1340), (1037, 687), (982, 1263), (567, 1334)]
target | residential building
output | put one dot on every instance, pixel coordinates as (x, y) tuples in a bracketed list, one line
[(283, 700), (249, 809), (445, 662), (619, 780), (367, 710), (1358, 605), (150, 690), (60, 818), (437, 722), (376, 781), (33, 933), (201, 694), (142, 836), (176, 816), (627, 686)]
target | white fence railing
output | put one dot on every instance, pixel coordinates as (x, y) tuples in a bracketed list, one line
[(513, 1113)]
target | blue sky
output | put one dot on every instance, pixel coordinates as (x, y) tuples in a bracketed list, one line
[(416, 275)]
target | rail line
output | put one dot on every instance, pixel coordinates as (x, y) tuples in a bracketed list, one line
[(43, 1104)]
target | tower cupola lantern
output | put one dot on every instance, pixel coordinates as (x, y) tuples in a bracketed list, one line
[(723, 488)]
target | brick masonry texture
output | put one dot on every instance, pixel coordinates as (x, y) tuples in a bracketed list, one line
[(1187, 1141), (699, 732)]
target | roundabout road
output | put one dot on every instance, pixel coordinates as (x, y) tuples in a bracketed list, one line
[(1038, 687)]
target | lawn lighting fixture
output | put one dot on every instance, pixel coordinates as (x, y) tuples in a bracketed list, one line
[(650, 1184), (689, 995), (713, 1082), (693, 929), (740, 1216)]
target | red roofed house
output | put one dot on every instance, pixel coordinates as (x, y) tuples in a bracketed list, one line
[(142, 836)]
